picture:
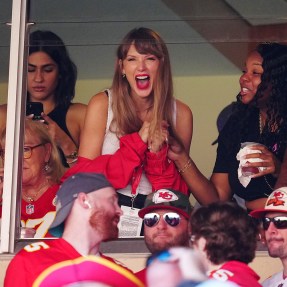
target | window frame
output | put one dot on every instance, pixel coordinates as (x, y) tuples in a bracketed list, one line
[(14, 128)]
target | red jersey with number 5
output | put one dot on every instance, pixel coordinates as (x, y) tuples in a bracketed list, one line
[(34, 258)]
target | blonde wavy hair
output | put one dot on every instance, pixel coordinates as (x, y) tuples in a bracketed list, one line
[(125, 121), (37, 129)]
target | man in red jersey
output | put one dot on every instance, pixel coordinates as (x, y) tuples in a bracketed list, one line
[(226, 236), (87, 205)]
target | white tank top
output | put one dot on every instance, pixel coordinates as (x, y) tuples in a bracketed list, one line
[(111, 144)]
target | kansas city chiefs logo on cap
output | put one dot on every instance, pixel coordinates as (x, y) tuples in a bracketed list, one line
[(164, 195), (277, 198)]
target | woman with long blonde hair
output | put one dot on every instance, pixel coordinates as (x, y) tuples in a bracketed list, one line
[(140, 101)]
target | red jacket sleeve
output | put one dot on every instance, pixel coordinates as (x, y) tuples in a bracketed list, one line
[(117, 167), (162, 172)]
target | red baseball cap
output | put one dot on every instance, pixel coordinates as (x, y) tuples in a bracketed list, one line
[(276, 202)]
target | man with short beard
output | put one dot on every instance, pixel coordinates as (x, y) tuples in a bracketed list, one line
[(165, 214), (274, 223), (87, 213)]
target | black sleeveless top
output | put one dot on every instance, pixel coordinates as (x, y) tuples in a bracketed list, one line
[(58, 115)]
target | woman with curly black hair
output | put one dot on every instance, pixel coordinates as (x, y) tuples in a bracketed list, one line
[(261, 117), (226, 236), (263, 120)]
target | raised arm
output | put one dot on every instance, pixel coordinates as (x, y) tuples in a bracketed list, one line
[(202, 189)]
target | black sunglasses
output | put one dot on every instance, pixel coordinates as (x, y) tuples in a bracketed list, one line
[(171, 218), (280, 222)]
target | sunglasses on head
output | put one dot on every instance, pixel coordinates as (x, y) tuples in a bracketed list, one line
[(280, 222), (152, 219)]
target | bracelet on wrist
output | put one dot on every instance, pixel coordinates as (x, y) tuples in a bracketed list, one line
[(72, 158), (185, 167)]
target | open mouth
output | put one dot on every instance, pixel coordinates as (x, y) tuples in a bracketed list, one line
[(142, 81), (245, 90)]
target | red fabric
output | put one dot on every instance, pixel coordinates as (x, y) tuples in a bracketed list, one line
[(118, 167), (33, 259), (142, 275), (128, 162), (87, 269), (162, 172), (238, 272), (44, 211)]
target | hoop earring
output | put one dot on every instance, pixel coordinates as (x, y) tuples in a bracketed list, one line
[(123, 76)]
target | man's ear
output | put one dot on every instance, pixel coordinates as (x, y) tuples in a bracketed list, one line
[(201, 244), (83, 199)]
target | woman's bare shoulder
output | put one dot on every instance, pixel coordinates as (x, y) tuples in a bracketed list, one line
[(78, 108), (99, 99), (183, 112)]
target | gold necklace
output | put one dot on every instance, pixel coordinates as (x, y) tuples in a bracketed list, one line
[(32, 198)]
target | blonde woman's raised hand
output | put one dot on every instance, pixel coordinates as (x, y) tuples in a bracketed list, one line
[(159, 138)]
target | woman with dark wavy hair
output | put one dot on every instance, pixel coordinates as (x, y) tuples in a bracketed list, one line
[(140, 102), (226, 236), (261, 117), (51, 80)]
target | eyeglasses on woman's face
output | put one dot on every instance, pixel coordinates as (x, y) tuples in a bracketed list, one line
[(27, 151)]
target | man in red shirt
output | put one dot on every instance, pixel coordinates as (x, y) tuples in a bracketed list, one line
[(226, 236), (87, 206)]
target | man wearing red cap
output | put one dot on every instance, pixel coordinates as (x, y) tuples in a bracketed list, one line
[(165, 214), (87, 213), (274, 223)]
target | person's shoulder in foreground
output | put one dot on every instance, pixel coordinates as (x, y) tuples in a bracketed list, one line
[(34, 258), (87, 269), (237, 272)]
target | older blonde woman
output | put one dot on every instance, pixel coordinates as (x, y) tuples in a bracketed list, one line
[(42, 170)]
